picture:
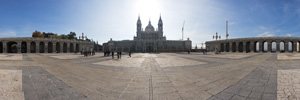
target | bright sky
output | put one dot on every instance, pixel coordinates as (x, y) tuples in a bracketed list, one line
[(105, 19)]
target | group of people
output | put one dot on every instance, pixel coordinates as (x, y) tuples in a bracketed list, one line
[(87, 53), (106, 53), (204, 52), (119, 54)]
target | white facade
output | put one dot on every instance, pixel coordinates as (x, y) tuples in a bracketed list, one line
[(148, 40)]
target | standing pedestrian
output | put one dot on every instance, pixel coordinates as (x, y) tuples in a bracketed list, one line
[(82, 53), (112, 54), (129, 53), (120, 54)]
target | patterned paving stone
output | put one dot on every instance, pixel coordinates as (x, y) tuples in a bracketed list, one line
[(173, 76)]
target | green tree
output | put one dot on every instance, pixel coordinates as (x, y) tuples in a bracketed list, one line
[(63, 36), (36, 34), (72, 35)]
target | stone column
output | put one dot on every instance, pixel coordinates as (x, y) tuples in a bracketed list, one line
[(46, 47), (294, 46), (244, 47), (286, 46), (252, 46), (28, 46), (269, 46), (237, 47), (37, 48), (4, 46), (68, 47), (61, 47), (74, 47), (230, 47), (277, 46), (261, 46), (53, 47), (19, 46)]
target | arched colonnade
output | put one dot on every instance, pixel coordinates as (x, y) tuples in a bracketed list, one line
[(261, 44), (42, 45)]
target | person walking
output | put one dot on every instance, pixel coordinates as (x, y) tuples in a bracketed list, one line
[(120, 54), (112, 54), (129, 53)]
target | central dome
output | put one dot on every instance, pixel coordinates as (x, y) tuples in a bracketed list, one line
[(149, 27)]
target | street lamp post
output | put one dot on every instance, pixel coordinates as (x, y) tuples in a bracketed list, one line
[(216, 46), (82, 42)]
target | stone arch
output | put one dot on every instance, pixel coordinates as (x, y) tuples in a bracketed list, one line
[(71, 47), (233, 47), (57, 47), (222, 47), (32, 47), (42, 47), (290, 46), (256, 46), (227, 47), (1, 47), (274, 46), (65, 48), (281, 46), (23, 47), (265, 46), (77, 47), (50, 47), (240, 46), (248, 47), (12, 47)]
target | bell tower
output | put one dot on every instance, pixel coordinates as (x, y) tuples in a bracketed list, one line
[(160, 28), (160, 25), (138, 28)]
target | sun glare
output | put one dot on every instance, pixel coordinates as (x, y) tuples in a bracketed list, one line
[(148, 9)]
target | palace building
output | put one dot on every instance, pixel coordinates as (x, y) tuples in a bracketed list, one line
[(148, 40)]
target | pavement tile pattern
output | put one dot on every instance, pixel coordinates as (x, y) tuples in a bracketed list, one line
[(157, 76)]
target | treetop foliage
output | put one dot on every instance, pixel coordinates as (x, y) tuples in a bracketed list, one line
[(70, 36)]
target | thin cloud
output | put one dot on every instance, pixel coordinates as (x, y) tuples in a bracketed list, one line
[(262, 27), (265, 34), (8, 33), (285, 8), (289, 35)]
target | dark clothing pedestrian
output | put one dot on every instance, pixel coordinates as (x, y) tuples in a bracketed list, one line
[(112, 55), (129, 53), (120, 54), (83, 52)]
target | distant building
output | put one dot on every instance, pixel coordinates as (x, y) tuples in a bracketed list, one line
[(148, 40), (48, 35)]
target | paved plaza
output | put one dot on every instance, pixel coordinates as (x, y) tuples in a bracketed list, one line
[(150, 76)]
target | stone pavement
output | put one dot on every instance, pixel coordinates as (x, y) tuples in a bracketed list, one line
[(288, 84), (158, 76), (11, 85)]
